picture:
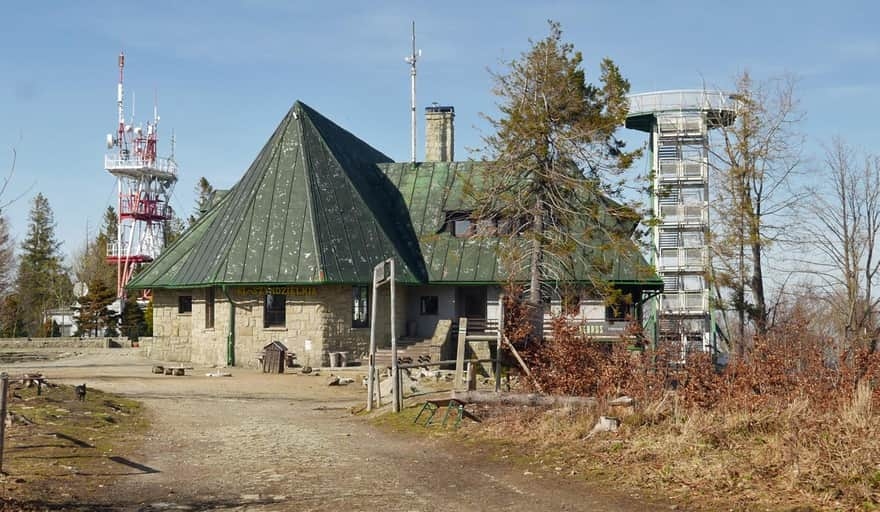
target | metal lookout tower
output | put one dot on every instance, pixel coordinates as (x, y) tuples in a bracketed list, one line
[(679, 123), (144, 183)]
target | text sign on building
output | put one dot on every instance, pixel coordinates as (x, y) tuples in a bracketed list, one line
[(290, 291)]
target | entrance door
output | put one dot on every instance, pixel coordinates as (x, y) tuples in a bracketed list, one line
[(472, 302)]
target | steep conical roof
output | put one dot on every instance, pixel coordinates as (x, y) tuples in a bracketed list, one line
[(312, 208)]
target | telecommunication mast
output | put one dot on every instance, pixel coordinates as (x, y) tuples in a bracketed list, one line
[(144, 183)]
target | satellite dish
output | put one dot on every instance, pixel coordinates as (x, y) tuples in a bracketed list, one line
[(139, 131), (80, 290), (128, 128), (109, 141)]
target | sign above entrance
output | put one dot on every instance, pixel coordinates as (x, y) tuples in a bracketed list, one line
[(290, 291)]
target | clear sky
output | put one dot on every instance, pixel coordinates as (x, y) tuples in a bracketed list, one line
[(227, 71)]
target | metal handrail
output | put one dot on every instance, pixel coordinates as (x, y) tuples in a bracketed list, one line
[(681, 100), (159, 165), (685, 257), (691, 302)]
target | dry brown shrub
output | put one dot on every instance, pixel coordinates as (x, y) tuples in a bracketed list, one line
[(794, 421)]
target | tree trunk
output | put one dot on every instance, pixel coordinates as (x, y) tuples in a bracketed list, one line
[(536, 310), (760, 310)]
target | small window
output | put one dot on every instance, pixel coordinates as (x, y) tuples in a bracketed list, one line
[(462, 228), (184, 304), (360, 306), (274, 311), (429, 305), (209, 308), (458, 223)]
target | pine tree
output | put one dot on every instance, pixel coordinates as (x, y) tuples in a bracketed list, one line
[(148, 318), (204, 195), (552, 158), (95, 316), (91, 261), (11, 317), (42, 281), (134, 323)]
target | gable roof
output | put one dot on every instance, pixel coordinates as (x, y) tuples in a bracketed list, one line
[(320, 206), (312, 208)]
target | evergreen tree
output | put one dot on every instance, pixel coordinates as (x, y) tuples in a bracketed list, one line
[(95, 316), (204, 195), (134, 323), (11, 317), (172, 229), (553, 157), (148, 318), (91, 261), (43, 283)]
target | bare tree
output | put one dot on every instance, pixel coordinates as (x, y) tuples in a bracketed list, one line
[(754, 163), (843, 231)]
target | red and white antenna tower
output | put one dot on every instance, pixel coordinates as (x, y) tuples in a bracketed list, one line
[(145, 183)]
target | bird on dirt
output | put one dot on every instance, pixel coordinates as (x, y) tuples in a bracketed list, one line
[(81, 392)]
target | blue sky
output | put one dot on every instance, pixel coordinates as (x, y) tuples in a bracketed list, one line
[(227, 71)]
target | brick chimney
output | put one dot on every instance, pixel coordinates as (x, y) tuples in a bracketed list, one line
[(439, 133)]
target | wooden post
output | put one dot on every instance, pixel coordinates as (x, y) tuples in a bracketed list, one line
[(471, 376), (371, 382), (4, 392), (498, 343), (395, 374), (459, 355)]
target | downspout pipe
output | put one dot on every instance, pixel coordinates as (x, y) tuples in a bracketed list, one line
[(230, 338)]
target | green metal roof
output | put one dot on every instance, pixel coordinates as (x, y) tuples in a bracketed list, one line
[(318, 205), (312, 208), (431, 189)]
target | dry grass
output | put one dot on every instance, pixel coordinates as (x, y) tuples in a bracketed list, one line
[(68, 450), (745, 460), (789, 426)]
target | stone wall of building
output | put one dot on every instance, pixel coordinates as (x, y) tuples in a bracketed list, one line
[(171, 330), (315, 325)]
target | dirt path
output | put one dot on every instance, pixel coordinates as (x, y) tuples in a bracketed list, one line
[(263, 442)]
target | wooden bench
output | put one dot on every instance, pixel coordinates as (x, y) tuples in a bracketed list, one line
[(432, 406)]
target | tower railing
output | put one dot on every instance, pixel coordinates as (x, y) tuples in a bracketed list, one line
[(684, 214), (159, 166), (683, 259), (683, 99), (685, 302), (682, 170)]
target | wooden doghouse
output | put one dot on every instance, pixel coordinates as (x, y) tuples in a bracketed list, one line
[(273, 357)]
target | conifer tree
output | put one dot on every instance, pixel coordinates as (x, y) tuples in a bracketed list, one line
[(204, 193), (42, 283), (95, 316), (133, 323), (552, 160)]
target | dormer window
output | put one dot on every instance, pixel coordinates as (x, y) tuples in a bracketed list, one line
[(459, 223)]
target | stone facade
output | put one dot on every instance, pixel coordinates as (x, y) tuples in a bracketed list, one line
[(316, 323)]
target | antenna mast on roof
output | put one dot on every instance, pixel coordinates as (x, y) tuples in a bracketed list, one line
[(411, 60)]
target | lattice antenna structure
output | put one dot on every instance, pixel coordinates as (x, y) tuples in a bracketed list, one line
[(144, 183)]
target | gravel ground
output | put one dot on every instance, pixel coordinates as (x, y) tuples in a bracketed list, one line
[(288, 442)]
